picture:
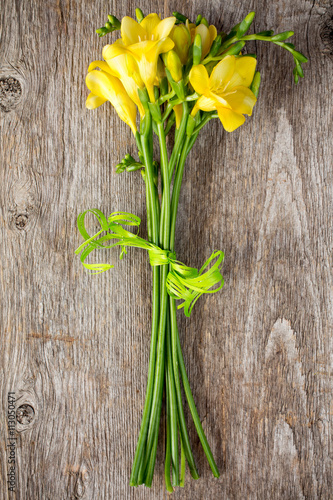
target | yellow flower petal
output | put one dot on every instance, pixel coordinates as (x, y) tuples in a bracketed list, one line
[(191, 29), (162, 30), (114, 50), (131, 31), (244, 72), (222, 73), (133, 70), (219, 100), (93, 101), (149, 23), (182, 39), (241, 100), (199, 79), (109, 87), (230, 120), (203, 31), (119, 68), (206, 103), (178, 109), (212, 32), (162, 46), (102, 65)]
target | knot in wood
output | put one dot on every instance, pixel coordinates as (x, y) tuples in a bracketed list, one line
[(25, 414), (326, 33), (21, 221), (10, 93)]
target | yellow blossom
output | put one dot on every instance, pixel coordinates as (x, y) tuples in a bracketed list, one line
[(105, 87), (174, 65), (181, 37), (117, 67), (207, 35), (226, 90), (145, 42)]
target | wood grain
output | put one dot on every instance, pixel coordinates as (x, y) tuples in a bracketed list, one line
[(74, 348)]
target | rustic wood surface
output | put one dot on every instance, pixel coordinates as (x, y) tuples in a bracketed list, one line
[(74, 348)]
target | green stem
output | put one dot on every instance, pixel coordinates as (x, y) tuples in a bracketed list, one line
[(181, 417), (178, 140), (176, 190), (153, 230), (174, 208), (160, 358), (173, 409), (194, 412), (182, 464), (152, 460), (167, 463), (206, 119)]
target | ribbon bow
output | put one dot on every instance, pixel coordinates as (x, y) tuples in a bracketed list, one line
[(183, 282)]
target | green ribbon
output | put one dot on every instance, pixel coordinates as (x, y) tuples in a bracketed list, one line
[(183, 282)]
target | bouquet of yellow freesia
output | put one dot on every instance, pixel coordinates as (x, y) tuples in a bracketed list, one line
[(174, 72)]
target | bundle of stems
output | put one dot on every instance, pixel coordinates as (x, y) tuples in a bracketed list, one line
[(166, 363)]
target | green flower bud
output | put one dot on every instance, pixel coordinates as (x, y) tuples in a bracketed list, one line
[(245, 24), (114, 21), (197, 50), (215, 46), (139, 15), (281, 37), (256, 83), (180, 17), (204, 21)]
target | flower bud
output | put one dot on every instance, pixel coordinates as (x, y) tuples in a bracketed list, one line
[(114, 21), (182, 40), (139, 15), (204, 21), (180, 17), (198, 20), (197, 50), (174, 65)]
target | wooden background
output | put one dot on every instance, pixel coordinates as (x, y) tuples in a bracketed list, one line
[(75, 347)]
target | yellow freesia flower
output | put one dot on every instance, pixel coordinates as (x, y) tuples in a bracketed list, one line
[(181, 37), (226, 89), (145, 42), (208, 35), (117, 67), (105, 87)]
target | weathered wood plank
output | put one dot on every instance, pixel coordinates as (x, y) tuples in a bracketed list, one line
[(74, 348)]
